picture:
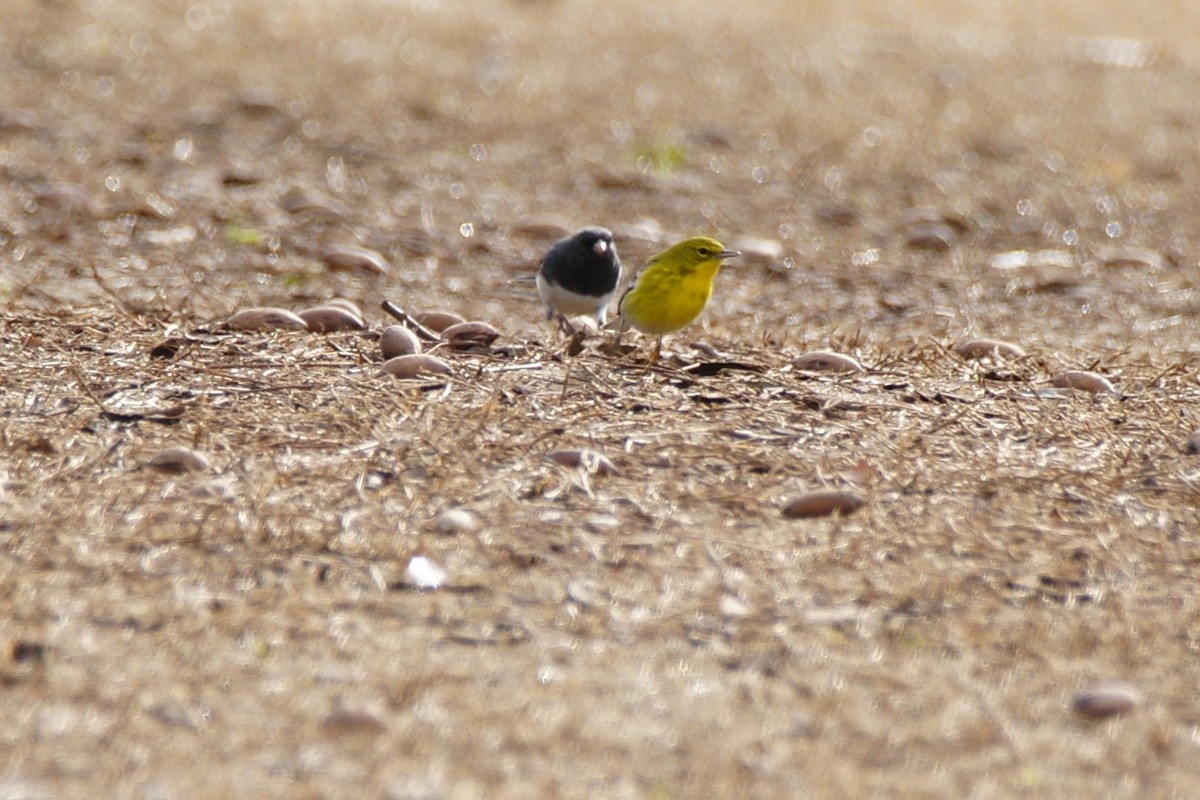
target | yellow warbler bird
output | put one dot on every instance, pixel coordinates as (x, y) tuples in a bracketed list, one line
[(673, 288)]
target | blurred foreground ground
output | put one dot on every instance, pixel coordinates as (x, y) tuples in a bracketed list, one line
[(902, 177)]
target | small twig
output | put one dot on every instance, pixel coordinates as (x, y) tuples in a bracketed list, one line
[(417, 328)]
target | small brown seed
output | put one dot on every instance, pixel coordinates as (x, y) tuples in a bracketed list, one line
[(983, 348), (327, 319), (438, 321), (822, 503), (348, 258), (1106, 700), (588, 460), (266, 319), (397, 340), (827, 361), (178, 460), (414, 365), (1084, 382), (466, 335)]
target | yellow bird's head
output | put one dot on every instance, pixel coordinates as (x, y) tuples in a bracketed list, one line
[(690, 254)]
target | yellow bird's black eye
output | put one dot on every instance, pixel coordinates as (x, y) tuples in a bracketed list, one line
[(703, 251)]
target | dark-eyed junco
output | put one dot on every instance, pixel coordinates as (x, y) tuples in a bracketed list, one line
[(579, 275)]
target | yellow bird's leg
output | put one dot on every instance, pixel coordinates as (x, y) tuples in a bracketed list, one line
[(650, 362)]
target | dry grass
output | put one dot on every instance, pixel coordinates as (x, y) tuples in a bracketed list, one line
[(661, 632)]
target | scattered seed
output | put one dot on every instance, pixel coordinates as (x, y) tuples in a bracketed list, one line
[(589, 460), (1019, 259), (735, 607), (29, 652), (840, 215), (348, 258), (301, 205), (414, 365), (1084, 382), (585, 592), (542, 226), (1106, 699), (466, 335), (983, 348), (266, 319), (397, 340), (327, 319), (457, 520), (582, 325), (934, 236), (919, 215), (1131, 255), (822, 503), (351, 723), (261, 101), (178, 460), (438, 321), (827, 361), (646, 229), (238, 175), (348, 305), (65, 196)]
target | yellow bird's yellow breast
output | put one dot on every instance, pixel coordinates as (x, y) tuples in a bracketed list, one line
[(665, 298)]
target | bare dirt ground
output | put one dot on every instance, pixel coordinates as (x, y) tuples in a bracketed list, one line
[(901, 177)]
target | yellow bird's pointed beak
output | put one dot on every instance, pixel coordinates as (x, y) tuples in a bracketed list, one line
[(724, 254)]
